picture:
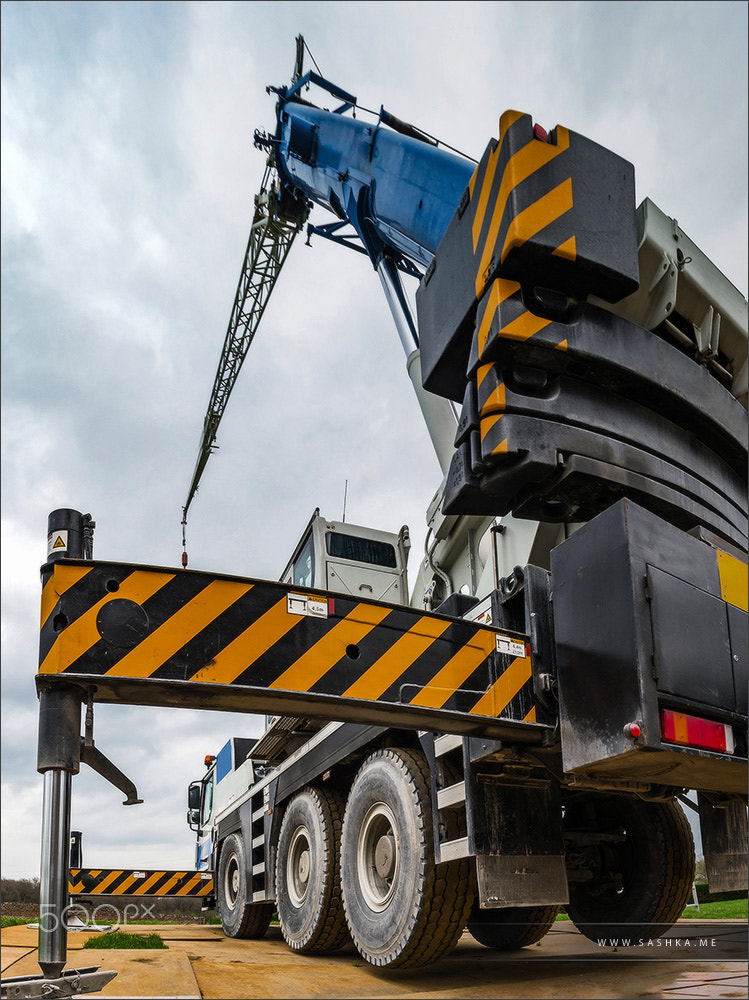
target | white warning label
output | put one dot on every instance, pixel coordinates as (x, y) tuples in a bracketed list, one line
[(509, 646), (302, 604), (57, 542)]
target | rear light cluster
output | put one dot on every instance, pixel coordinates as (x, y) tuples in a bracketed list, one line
[(691, 731)]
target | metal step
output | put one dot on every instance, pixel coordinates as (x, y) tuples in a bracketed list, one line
[(444, 744), (452, 849), (451, 796)]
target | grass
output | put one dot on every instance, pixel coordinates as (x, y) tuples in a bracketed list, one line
[(728, 909), (121, 939), (15, 921)]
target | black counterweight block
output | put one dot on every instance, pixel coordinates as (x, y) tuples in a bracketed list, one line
[(601, 349)]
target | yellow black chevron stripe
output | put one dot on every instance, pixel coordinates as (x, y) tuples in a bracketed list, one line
[(138, 882), (508, 213), (143, 634), (734, 579), (502, 318)]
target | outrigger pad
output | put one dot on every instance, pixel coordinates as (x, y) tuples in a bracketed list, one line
[(70, 983)]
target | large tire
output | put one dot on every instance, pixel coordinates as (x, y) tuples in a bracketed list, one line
[(402, 910), (308, 879), (641, 855), (511, 927), (239, 918)]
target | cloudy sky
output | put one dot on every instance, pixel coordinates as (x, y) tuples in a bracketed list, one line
[(128, 177)]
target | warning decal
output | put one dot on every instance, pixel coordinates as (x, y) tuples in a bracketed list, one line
[(57, 542), (509, 646), (301, 604)]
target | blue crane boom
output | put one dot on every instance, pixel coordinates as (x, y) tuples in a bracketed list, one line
[(398, 191), (393, 184)]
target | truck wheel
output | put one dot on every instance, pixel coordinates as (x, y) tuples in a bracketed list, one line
[(511, 927), (641, 857), (402, 910), (239, 918), (308, 879)]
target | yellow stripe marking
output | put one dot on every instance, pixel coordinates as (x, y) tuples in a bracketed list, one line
[(561, 346), (249, 646), (501, 290), (534, 155), (537, 216), (151, 880), (488, 423), (507, 120), (481, 373), (568, 249), (734, 580), (328, 650), (392, 664), (107, 881), (188, 886), (82, 634), (174, 880), (497, 400), (504, 689), (62, 579), (446, 681), (523, 327), (530, 716), (176, 631), (122, 889)]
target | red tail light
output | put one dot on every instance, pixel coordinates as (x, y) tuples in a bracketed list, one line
[(691, 731)]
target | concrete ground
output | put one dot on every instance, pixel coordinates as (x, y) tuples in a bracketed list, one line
[(201, 962)]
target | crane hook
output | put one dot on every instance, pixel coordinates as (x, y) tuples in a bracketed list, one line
[(184, 541)]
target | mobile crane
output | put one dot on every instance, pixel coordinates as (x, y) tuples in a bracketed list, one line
[(614, 416), (519, 733)]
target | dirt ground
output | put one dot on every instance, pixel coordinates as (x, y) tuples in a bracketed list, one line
[(201, 963)]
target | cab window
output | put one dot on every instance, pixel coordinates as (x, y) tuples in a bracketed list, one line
[(304, 567), (366, 550)]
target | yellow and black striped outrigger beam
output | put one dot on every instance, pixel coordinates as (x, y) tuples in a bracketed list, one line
[(151, 636), (139, 882)]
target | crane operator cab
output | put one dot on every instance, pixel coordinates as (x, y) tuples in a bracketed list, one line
[(342, 558), (352, 560)]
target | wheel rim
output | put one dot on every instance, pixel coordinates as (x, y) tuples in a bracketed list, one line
[(378, 857), (231, 881), (298, 866)]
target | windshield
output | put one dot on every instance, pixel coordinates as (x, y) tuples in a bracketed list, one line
[(207, 804)]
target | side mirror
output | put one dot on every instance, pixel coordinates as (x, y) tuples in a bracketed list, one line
[(193, 818), (193, 795)]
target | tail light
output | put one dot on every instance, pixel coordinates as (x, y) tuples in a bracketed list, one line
[(692, 731)]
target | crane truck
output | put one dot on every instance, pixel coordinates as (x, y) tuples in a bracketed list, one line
[(582, 370), (520, 729)]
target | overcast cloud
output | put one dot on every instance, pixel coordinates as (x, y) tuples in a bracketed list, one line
[(128, 177)]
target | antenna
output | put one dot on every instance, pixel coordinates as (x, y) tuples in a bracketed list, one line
[(345, 492)]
